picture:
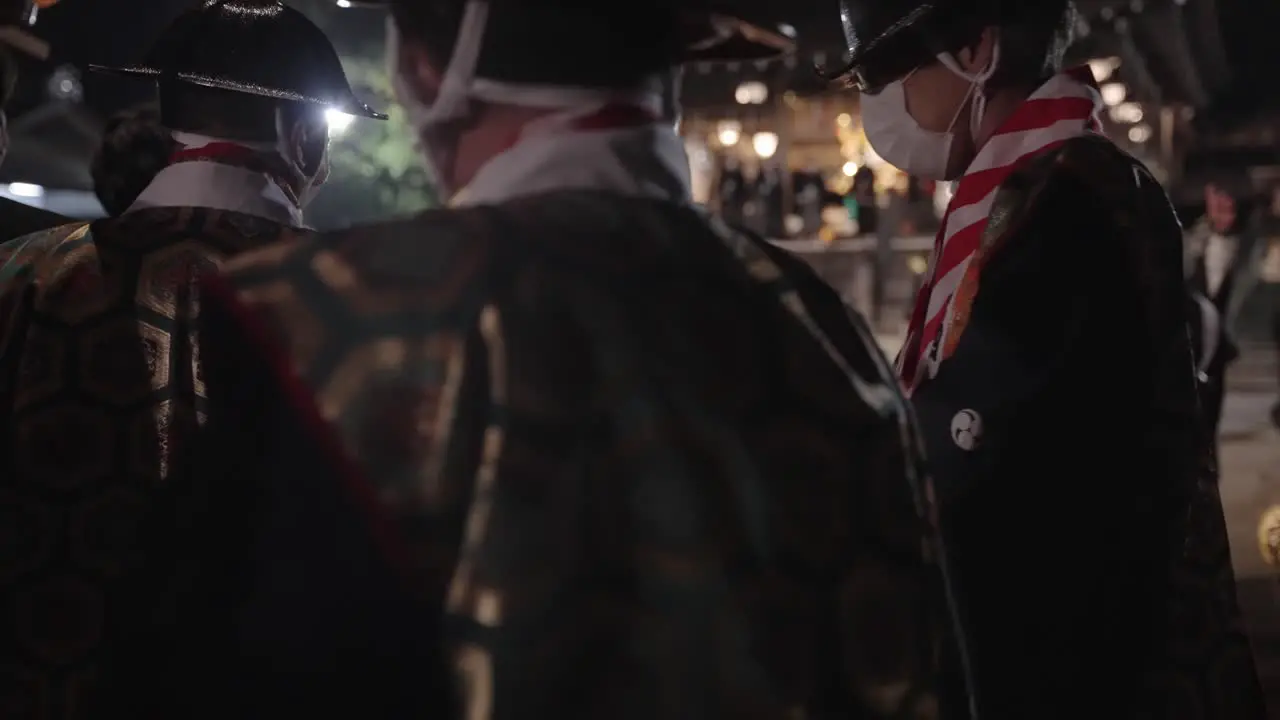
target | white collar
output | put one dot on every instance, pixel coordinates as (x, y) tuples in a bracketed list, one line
[(646, 161), (220, 187)]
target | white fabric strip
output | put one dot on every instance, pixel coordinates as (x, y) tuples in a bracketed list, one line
[(646, 161), (219, 187)]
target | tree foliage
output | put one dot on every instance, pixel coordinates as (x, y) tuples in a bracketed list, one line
[(377, 172)]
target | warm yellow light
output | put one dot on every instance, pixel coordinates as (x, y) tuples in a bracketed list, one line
[(752, 92), (765, 144), (1114, 93), (844, 120), (1127, 113), (729, 133), (851, 168), (1103, 68)]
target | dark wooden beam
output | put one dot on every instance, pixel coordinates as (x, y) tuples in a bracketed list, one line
[(1163, 34), (1134, 67), (1205, 36)]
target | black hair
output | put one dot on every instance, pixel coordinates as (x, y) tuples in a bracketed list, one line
[(530, 43), (134, 148), (241, 116), (1033, 41)]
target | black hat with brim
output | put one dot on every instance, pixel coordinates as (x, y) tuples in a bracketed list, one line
[(257, 47), (886, 40), (713, 30)]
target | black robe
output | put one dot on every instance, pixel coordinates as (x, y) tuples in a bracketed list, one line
[(1076, 487)]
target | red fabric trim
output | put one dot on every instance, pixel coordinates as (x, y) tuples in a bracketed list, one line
[(235, 155), (1082, 74), (301, 398), (1043, 112), (613, 117), (1033, 114), (224, 151)]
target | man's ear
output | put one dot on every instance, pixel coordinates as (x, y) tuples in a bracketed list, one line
[(421, 74), (308, 141), (976, 57), (322, 175)]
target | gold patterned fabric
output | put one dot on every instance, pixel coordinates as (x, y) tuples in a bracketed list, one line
[(100, 390), (646, 466)]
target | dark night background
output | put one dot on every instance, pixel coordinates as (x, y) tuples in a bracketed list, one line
[(1237, 113), (111, 32), (115, 32)]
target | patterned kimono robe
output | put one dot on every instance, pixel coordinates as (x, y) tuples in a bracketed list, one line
[(571, 449), (100, 391)]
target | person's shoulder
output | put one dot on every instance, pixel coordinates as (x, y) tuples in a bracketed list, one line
[(1086, 189), (843, 334), (33, 254), (36, 264), (313, 293), (49, 237), (1089, 166), (190, 230), (405, 258)]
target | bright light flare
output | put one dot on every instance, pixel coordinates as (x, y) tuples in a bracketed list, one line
[(27, 190), (338, 121), (1139, 134), (729, 133), (765, 144), (1114, 93)]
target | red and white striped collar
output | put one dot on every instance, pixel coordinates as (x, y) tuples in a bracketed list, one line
[(621, 147), (213, 173), (1063, 108)]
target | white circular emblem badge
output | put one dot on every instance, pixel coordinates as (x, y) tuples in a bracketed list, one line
[(966, 429), (1269, 535)]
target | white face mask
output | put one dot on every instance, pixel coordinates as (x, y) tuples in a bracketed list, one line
[(309, 185), (898, 138), (451, 103), (435, 122), (419, 118), (313, 186)]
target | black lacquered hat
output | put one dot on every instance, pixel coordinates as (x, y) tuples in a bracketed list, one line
[(887, 39), (258, 47), (713, 30)]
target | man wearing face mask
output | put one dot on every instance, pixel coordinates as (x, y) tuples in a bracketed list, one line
[(570, 446), (1049, 363), (100, 385)]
